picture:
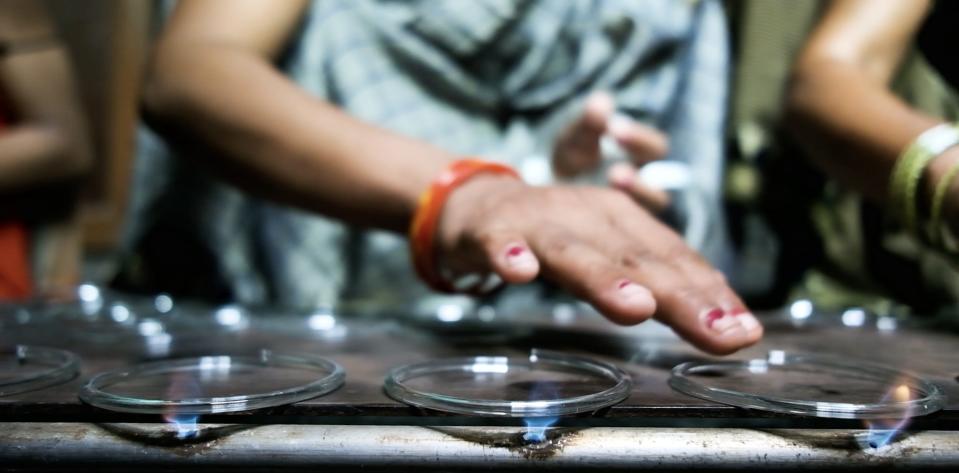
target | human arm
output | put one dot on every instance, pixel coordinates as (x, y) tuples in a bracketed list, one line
[(47, 140), (212, 83), (840, 105)]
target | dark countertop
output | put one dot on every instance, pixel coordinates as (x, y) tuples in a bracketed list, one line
[(359, 427)]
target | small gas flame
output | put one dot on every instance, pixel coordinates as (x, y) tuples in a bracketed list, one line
[(537, 424), (183, 386), (883, 431), (185, 425), (536, 428)]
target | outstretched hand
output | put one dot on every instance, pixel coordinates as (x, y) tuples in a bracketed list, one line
[(599, 245)]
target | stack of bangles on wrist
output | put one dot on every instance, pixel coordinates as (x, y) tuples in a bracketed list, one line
[(429, 208), (907, 174)]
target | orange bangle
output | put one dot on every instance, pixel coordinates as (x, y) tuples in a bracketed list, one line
[(428, 210)]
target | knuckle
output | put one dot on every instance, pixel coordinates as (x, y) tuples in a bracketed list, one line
[(675, 251), (558, 246), (635, 260)]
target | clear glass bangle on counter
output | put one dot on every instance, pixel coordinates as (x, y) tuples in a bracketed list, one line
[(543, 384), (810, 385), (214, 384), (25, 368)]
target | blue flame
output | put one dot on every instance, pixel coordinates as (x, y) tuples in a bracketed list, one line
[(183, 386), (537, 424), (185, 425), (536, 428), (883, 431)]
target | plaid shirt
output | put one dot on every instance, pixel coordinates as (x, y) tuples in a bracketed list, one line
[(492, 78)]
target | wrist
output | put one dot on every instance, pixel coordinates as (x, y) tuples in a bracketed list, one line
[(424, 231), (469, 201)]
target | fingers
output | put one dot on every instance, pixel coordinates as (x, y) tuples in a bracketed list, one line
[(643, 143), (592, 276), (625, 177), (692, 297), (577, 148), (509, 256), (707, 314)]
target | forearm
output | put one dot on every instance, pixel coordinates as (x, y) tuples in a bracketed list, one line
[(839, 104), (35, 154), (272, 138), (47, 141), (851, 126)]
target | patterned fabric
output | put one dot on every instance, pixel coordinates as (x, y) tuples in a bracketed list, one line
[(492, 78)]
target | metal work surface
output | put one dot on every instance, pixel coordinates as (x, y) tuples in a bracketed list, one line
[(380, 448), (359, 425)]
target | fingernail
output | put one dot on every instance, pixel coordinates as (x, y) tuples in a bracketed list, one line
[(621, 175), (517, 256), (748, 321), (634, 293), (619, 125), (718, 320), (746, 318)]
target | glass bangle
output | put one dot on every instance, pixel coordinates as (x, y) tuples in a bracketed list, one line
[(810, 385), (539, 385), (25, 368), (214, 384)]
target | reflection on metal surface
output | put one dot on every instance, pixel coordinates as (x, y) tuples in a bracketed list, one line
[(321, 321), (801, 309), (486, 313), (887, 324), (449, 313), (88, 293), (119, 313), (231, 316), (150, 327), (854, 317), (163, 303), (564, 313), (158, 345)]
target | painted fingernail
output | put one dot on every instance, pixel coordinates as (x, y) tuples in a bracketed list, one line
[(517, 256), (718, 320), (712, 316)]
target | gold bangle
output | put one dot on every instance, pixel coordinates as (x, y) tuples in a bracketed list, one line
[(908, 170), (938, 199)]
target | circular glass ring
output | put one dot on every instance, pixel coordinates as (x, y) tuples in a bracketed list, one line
[(544, 384), (25, 368), (810, 385), (214, 384)]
